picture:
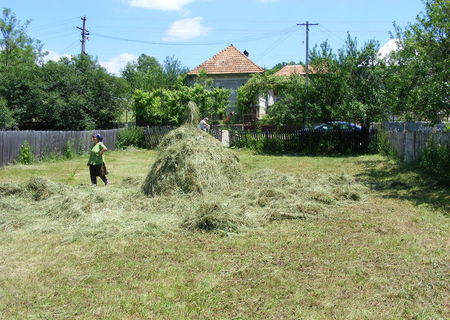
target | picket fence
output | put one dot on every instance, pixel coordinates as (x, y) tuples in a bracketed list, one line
[(305, 141)]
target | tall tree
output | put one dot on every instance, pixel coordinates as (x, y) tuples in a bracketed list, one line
[(79, 95), (421, 80), (19, 72), (148, 74)]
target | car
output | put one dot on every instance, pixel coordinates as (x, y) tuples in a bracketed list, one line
[(338, 125)]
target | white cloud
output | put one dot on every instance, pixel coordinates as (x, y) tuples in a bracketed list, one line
[(54, 56), (165, 5), (186, 29), (115, 64)]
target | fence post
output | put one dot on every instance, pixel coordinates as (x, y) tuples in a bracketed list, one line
[(226, 138)]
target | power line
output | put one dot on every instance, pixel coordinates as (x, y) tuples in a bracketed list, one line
[(277, 42), (250, 38)]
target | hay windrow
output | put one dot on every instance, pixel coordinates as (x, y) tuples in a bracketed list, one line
[(191, 161)]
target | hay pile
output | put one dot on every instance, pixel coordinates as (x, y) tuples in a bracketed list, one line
[(191, 161)]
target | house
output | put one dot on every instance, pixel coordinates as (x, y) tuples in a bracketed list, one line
[(229, 69)]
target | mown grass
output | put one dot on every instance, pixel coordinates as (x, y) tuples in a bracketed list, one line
[(385, 256)]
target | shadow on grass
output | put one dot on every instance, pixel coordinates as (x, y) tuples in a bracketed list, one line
[(392, 180)]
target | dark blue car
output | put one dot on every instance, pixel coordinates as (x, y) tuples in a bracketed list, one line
[(338, 125)]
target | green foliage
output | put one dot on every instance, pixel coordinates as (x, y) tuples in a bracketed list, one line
[(131, 136), (73, 94), (80, 95), (25, 153), (7, 120), (148, 74), (348, 86), (383, 145), (168, 106), (19, 72), (435, 160), (418, 80), (69, 150), (259, 84)]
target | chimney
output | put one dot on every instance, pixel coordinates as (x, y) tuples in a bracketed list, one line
[(246, 53)]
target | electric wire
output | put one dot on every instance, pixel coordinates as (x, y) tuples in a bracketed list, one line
[(255, 37)]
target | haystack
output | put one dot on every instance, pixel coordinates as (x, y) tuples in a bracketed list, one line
[(191, 161)]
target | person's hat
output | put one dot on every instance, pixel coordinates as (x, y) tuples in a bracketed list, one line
[(98, 136)]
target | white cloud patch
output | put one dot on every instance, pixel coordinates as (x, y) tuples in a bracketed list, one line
[(115, 64), (54, 56), (165, 5), (186, 29)]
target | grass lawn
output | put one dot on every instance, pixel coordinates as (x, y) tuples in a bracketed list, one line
[(111, 253)]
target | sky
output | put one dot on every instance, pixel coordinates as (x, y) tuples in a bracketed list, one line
[(193, 31)]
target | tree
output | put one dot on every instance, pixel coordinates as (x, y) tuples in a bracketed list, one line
[(420, 73), (168, 106), (148, 74), (79, 95), (364, 77), (7, 120), (19, 72)]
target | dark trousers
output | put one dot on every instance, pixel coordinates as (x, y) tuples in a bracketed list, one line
[(97, 170)]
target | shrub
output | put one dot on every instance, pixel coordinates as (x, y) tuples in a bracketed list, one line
[(69, 150), (131, 136), (384, 146), (26, 153), (435, 160)]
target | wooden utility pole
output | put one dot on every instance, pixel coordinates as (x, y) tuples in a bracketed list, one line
[(307, 24), (84, 35)]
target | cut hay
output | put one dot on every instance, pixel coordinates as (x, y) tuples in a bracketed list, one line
[(214, 216), (191, 161)]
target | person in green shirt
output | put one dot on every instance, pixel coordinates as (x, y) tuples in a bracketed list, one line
[(96, 160)]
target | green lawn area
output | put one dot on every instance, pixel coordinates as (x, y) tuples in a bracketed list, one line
[(70, 251)]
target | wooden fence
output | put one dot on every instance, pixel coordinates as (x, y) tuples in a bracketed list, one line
[(48, 142), (409, 145), (305, 141)]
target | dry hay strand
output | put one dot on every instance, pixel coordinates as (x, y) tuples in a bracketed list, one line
[(191, 161)]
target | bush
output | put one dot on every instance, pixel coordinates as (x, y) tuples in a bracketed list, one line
[(26, 153), (383, 145), (69, 150), (131, 136), (435, 160)]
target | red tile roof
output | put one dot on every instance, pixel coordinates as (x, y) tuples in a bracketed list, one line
[(293, 69), (228, 61)]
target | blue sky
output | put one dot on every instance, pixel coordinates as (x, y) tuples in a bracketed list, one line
[(194, 30)]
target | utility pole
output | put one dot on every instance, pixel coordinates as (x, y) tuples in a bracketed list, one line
[(307, 24), (84, 35)]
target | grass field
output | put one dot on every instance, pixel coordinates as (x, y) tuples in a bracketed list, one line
[(70, 251)]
